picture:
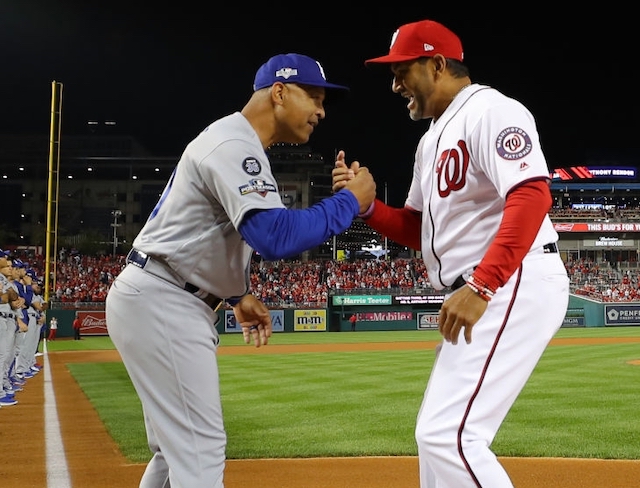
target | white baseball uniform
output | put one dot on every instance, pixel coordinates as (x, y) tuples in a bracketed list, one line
[(169, 355), (479, 149)]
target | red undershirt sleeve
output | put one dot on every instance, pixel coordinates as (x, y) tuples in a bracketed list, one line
[(524, 211), (402, 225)]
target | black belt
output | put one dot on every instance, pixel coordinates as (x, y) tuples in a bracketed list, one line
[(460, 281), (162, 270)]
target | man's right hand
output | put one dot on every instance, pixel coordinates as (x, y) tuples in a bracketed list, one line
[(356, 179), (342, 173)]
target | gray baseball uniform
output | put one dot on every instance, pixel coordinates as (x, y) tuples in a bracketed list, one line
[(7, 337), (171, 358)]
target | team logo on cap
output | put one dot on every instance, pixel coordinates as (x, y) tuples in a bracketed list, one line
[(286, 73), (394, 37), (513, 143), (251, 166)]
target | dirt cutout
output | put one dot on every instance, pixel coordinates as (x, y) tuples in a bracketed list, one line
[(94, 461)]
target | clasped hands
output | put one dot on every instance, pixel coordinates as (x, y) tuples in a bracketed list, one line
[(356, 179)]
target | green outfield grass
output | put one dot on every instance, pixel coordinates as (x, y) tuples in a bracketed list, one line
[(581, 401)]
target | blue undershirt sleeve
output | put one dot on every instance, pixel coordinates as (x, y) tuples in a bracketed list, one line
[(280, 233)]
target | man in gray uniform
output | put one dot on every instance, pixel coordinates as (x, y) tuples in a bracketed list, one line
[(220, 204), (8, 294)]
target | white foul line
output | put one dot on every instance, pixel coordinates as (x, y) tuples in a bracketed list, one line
[(57, 470)]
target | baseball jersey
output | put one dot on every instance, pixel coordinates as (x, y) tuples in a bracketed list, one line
[(480, 148), (222, 174), (4, 287), (37, 299)]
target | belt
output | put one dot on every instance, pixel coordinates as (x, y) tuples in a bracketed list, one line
[(157, 268), (460, 281)]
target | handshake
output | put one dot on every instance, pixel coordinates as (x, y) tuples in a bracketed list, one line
[(358, 180)]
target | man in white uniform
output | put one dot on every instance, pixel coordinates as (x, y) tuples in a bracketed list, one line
[(221, 202), (477, 209)]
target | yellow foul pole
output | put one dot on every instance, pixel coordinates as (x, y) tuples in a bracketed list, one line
[(51, 247)]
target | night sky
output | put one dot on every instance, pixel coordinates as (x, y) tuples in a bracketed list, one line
[(165, 72)]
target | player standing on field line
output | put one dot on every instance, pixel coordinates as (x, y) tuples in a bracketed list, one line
[(8, 295), (477, 209), (220, 204)]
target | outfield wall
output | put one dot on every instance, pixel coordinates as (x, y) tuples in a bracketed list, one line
[(373, 312)]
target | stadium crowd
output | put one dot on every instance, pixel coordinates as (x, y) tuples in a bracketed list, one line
[(86, 279)]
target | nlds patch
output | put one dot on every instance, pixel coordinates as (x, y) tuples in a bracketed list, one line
[(251, 166), (513, 143)]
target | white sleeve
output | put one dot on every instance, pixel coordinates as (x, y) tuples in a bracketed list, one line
[(514, 154)]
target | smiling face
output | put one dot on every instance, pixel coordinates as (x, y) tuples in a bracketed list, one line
[(414, 80), (430, 84)]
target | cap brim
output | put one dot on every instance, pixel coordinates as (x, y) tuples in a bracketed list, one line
[(327, 86), (391, 58), (331, 86)]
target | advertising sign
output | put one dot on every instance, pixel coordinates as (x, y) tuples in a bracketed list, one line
[(362, 300), (309, 320), (277, 321), (418, 299), (622, 314), (390, 316), (93, 323), (427, 321)]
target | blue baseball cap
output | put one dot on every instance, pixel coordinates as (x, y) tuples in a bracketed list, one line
[(32, 272), (292, 68), (17, 263), (4, 254)]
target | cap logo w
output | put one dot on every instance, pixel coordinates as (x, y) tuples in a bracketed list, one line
[(321, 70), (286, 73), (428, 47), (394, 37)]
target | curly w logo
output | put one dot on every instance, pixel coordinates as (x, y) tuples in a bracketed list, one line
[(451, 169)]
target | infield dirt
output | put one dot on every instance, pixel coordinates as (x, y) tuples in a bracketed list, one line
[(94, 461)]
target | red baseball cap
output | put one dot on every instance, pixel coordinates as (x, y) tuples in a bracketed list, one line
[(422, 39)]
